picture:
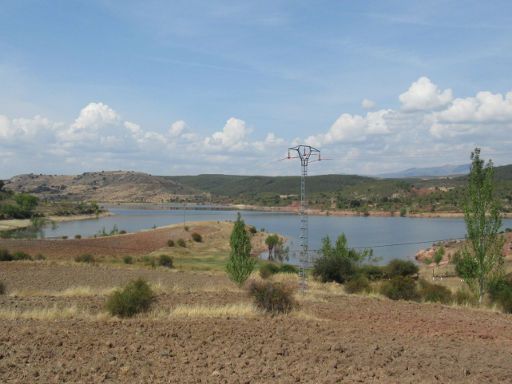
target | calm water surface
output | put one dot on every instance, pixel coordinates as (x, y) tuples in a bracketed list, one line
[(371, 232)]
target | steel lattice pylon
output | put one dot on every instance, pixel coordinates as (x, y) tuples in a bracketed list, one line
[(306, 154)]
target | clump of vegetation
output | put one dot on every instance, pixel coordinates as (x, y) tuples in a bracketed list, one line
[(21, 256), (357, 284), (400, 288), (197, 237), (271, 241), (435, 293), (240, 263), (86, 258), (5, 255), (288, 268), (181, 243), (397, 267), (2, 288), (135, 297), (273, 297), (481, 261), (268, 269), (252, 230), (78, 237), (114, 231), (339, 263), (372, 272), (64, 237), (170, 243), (128, 260), (40, 256), (22, 207), (465, 297), (501, 293), (148, 261), (186, 228), (165, 261)]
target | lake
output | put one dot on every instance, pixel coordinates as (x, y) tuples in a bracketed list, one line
[(385, 235)]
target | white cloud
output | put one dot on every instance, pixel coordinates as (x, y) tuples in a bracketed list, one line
[(424, 95), (368, 104), (232, 137), (177, 128), (353, 128), (92, 118)]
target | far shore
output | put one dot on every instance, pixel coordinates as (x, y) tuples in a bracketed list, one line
[(13, 224)]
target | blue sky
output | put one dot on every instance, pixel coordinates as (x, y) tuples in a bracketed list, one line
[(187, 87)]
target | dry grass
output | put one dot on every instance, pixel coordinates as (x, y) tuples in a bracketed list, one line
[(229, 310), (50, 314), (79, 291)]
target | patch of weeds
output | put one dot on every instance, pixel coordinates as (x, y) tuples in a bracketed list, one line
[(135, 297), (86, 258), (197, 237), (170, 243), (402, 268), (464, 296), (268, 269), (181, 243), (273, 297), (128, 260), (148, 261), (357, 284), (2, 288), (165, 261), (400, 288), (435, 293)]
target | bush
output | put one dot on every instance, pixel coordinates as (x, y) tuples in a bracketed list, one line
[(501, 293), (357, 284), (128, 260), (186, 228), (149, 261), (400, 288), (5, 255), (165, 261), (272, 297), (78, 237), (268, 269), (122, 232), (64, 237), (252, 230), (402, 268), (197, 237), (181, 243), (465, 297), (372, 272), (21, 256), (85, 258), (134, 298), (333, 268), (435, 293), (287, 268), (170, 243), (2, 288)]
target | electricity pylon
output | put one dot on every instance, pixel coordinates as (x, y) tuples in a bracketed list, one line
[(306, 154)]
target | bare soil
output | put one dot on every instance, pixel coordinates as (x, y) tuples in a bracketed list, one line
[(333, 338)]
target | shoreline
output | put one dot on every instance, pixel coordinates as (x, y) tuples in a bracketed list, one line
[(15, 224)]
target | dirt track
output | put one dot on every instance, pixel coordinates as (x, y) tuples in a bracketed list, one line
[(338, 338)]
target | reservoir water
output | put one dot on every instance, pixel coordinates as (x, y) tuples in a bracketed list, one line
[(389, 237)]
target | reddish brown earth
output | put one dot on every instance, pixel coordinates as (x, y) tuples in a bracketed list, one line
[(345, 339)]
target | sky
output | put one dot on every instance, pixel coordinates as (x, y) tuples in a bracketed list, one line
[(191, 87)]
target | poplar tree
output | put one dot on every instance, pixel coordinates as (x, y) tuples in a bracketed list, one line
[(240, 264), (481, 260)]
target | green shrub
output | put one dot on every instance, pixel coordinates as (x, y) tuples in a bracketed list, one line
[(78, 237), (2, 288), (288, 268), (333, 268), (465, 297), (197, 237), (400, 288), (5, 255), (134, 298), (252, 229), (268, 269), (170, 243), (165, 261), (501, 293), (181, 243), (402, 268), (273, 297), (87, 258), (128, 260), (435, 293), (372, 272), (21, 256), (357, 284), (122, 232)]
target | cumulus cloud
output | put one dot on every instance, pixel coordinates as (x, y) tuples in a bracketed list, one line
[(177, 128), (424, 95), (232, 137), (368, 104), (353, 128)]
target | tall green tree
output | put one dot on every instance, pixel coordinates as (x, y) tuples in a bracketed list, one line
[(240, 264), (271, 241), (481, 261)]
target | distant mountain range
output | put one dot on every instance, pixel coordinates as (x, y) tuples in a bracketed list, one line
[(444, 170)]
